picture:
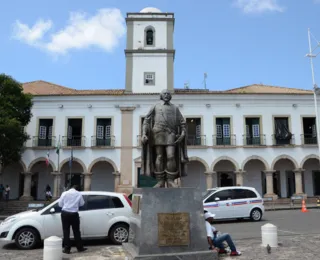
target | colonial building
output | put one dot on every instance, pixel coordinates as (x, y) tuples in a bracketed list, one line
[(258, 135)]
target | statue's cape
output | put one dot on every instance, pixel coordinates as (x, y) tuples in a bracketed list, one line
[(148, 154)]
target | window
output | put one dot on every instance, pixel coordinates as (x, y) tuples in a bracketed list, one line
[(243, 194), (194, 131), (44, 133), (222, 195), (98, 202), (103, 132), (250, 194), (223, 130), (149, 78), (116, 202), (149, 37)]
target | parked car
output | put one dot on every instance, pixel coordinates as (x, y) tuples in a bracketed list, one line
[(104, 214), (234, 203)]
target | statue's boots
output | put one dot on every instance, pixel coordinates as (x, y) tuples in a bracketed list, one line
[(160, 177), (171, 176)]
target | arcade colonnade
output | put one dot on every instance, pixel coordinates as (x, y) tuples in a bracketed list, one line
[(29, 183), (283, 177)]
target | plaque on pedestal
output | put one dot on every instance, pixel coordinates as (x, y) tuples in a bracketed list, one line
[(170, 223)]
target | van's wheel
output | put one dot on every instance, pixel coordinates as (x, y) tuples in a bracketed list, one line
[(119, 234), (256, 214), (27, 238)]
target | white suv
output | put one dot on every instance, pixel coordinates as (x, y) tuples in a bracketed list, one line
[(234, 202), (104, 214)]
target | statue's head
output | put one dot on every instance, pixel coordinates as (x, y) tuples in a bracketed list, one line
[(165, 95)]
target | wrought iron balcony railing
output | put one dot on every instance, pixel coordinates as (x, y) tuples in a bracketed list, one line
[(75, 141), (283, 141), (308, 139), (40, 142), (257, 140), (224, 140), (107, 141)]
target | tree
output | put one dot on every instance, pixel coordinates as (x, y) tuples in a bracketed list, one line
[(15, 114)]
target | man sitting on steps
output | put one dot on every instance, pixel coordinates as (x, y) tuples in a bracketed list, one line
[(217, 242)]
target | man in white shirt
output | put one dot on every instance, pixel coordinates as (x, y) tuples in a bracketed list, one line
[(70, 201), (213, 240)]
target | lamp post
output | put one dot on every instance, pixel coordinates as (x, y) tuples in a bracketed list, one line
[(316, 90)]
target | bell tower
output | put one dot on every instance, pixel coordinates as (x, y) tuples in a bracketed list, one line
[(149, 51)]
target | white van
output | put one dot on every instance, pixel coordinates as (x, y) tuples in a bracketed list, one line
[(234, 202)]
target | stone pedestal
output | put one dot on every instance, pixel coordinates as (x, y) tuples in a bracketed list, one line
[(168, 224)]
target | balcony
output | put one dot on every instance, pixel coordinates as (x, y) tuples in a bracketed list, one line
[(192, 140), (198, 140), (74, 141), (223, 140), (40, 142), (283, 141), (307, 139), (254, 141), (105, 142)]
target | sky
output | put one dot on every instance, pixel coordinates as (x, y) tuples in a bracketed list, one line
[(80, 44)]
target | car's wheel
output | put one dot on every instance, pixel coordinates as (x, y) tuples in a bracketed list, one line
[(27, 238), (119, 234), (256, 214)]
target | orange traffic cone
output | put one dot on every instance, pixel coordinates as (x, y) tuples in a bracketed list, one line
[(304, 207)]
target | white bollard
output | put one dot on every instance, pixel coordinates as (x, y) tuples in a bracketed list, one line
[(269, 235), (52, 249)]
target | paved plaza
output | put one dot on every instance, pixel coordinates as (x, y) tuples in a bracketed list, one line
[(298, 239)]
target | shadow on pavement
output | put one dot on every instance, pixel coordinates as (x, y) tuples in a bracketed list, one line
[(233, 221), (90, 243)]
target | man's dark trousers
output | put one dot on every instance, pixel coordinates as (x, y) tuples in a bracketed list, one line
[(71, 219)]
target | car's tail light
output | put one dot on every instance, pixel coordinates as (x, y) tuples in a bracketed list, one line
[(127, 199)]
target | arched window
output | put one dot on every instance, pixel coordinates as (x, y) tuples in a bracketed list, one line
[(149, 37)]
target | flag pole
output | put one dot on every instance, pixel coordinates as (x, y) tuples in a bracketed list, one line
[(70, 166)]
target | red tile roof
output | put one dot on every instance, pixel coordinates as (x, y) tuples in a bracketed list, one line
[(44, 88)]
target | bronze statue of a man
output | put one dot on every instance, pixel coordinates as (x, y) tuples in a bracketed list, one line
[(164, 146)]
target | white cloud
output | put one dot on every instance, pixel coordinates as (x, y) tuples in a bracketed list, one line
[(258, 6), (31, 35), (103, 30)]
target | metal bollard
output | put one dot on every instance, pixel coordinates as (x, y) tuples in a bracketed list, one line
[(269, 234), (52, 249)]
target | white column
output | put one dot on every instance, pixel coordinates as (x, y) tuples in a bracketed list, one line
[(298, 182), (56, 184), (269, 186), (209, 179), (239, 177), (87, 180), (27, 186), (116, 175)]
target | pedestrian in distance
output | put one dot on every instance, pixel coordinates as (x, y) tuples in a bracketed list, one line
[(70, 202)]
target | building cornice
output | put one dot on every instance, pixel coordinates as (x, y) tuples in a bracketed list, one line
[(165, 51)]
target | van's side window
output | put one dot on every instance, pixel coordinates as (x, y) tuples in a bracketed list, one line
[(222, 195), (239, 194), (250, 194)]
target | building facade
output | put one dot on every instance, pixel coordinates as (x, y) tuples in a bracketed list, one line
[(260, 136)]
